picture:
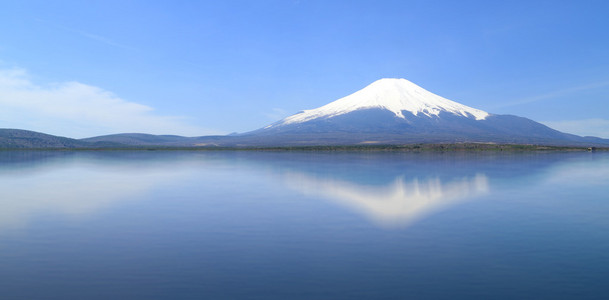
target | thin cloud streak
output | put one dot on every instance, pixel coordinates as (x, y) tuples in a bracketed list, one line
[(89, 35), (554, 94), (102, 39)]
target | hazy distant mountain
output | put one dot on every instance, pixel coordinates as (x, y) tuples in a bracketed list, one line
[(16, 138), (25, 139), (140, 139)]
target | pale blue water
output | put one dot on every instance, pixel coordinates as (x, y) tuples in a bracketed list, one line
[(269, 225)]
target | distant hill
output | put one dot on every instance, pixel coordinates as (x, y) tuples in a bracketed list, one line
[(17, 138), (141, 139), (25, 139)]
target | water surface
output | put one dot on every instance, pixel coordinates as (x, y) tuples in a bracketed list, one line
[(303, 225)]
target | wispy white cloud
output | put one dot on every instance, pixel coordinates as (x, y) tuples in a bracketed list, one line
[(554, 94), (587, 127), (79, 110)]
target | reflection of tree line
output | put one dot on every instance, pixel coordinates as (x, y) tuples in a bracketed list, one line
[(39, 187)]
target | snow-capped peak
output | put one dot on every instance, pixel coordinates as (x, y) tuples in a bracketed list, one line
[(396, 95)]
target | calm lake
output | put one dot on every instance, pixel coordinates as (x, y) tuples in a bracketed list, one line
[(303, 225)]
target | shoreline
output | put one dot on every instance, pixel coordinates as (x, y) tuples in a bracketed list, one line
[(461, 147)]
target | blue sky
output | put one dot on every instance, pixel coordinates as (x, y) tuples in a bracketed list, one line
[(85, 68)]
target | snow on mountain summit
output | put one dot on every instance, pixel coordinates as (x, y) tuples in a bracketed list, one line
[(395, 95)]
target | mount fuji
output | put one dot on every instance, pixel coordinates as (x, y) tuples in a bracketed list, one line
[(397, 111)]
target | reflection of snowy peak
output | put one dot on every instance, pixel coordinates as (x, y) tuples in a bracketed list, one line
[(399, 203), (398, 96)]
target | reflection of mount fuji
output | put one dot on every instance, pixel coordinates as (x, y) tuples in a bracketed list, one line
[(399, 203), (397, 189)]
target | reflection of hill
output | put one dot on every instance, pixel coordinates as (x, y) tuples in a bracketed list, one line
[(71, 190), (398, 203), (75, 184)]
